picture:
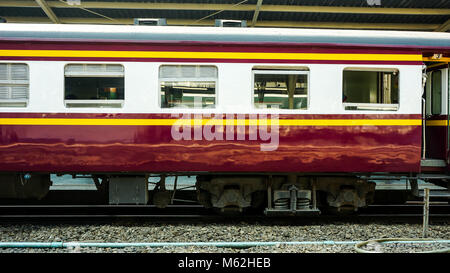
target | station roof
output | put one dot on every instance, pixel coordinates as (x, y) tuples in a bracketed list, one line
[(415, 15)]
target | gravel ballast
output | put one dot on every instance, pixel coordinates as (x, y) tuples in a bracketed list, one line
[(226, 231)]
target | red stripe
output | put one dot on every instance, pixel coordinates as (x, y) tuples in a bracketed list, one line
[(419, 48), (190, 48)]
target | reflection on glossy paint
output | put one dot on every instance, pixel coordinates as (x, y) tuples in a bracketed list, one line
[(151, 149)]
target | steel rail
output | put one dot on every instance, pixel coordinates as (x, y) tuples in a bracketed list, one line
[(197, 212)]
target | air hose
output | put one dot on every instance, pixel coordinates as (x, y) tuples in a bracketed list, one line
[(358, 246)]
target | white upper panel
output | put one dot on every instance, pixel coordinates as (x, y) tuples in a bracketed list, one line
[(234, 89)]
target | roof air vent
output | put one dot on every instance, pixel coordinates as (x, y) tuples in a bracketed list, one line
[(150, 21), (231, 23)]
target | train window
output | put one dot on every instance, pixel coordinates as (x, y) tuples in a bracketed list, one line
[(370, 89), (282, 89), (94, 85), (14, 85), (187, 86), (436, 92)]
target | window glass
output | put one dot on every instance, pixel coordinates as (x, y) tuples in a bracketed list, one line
[(14, 85), (370, 90), (436, 92), (191, 86), (94, 85), (280, 89)]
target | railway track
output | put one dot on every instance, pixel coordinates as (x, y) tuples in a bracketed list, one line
[(185, 212), (100, 211)]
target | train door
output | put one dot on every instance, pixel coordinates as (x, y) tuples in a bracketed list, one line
[(436, 109)]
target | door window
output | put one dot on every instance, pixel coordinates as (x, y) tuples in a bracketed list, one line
[(436, 92)]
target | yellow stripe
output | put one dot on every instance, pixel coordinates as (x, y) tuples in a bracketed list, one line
[(437, 122), (209, 55), (430, 59), (436, 65), (170, 122), (351, 122)]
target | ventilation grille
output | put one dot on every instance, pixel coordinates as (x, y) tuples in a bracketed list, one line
[(187, 71), (94, 70), (14, 82)]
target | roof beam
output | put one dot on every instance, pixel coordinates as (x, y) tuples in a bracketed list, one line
[(244, 7), (444, 27), (343, 25), (44, 6), (255, 15), (186, 22), (355, 10)]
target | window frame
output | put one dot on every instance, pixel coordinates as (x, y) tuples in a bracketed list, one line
[(393, 107), (283, 71), (94, 103), (215, 80), (17, 103)]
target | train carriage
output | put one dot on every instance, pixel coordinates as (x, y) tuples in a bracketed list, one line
[(290, 119)]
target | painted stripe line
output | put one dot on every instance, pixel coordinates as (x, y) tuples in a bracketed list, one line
[(239, 122), (209, 55), (437, 122), (431, 59)]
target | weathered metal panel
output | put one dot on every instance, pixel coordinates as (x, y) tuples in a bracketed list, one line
[(128, 190), (151, 148)]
